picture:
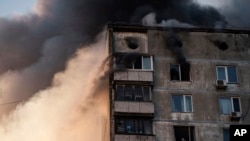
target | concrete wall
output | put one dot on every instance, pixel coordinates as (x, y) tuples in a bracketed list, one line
[(201, 51), (203, 57)]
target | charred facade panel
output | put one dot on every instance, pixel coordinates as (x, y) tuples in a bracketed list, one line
[(130, 42)]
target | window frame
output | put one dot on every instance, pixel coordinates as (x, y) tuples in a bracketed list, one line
[(226, 130), (133, 93), (190, 132), (226, 73), (142, 64), (231, 103), (179, 69), (138, 125), (181, 73), (184, 110)]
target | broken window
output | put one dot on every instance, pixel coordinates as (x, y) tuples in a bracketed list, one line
[(134, 61), (133, 93), (182, 103), (229, 105), (142, 62), (130, 125), (184, 133), (227, 73), (179, 72)]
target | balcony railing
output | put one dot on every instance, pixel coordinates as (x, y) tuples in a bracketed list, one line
[(120, 137), (134, 107), (134, 75)]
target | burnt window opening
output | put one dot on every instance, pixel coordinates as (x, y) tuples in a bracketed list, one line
[(133, 125), (133, 93), (142, 62), (132, 61), (180, 72), (132, 42), (184, 133)]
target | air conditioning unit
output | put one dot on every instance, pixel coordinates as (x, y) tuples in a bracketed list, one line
[(235, 116), (221, 84)]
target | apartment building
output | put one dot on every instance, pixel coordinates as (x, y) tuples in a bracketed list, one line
[(177, 84)]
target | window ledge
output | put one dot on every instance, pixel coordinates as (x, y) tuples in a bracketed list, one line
[(138, 70), (135, 134), (236, 83), (174, 81), (134, 101), (183, 112)]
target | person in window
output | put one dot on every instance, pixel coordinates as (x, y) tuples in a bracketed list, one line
[(182, 139)]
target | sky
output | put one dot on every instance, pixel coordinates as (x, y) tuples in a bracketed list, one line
[(15, 7)]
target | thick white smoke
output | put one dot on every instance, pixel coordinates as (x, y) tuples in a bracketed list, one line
[(150, 20), (71, 109)]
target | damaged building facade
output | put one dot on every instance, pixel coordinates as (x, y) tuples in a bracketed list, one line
[(177, 84)]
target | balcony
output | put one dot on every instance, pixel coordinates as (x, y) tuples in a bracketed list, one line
[(134, 75), (119, 137), (134, 107)]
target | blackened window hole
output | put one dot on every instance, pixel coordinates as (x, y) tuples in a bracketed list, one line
[(132, 42)]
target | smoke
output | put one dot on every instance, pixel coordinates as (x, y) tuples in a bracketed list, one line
[(235, 13), (71, 109), (174, 44), (34, 48)]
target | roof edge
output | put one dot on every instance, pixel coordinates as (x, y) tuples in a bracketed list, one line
[(141, 28)]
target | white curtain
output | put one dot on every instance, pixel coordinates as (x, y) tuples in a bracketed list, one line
[(225, 105)]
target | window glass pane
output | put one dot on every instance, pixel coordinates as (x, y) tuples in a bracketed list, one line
[(128, 93), (188, 103), (138, 93), (136, 123), (120, 124), (177, 103), (225, 106), (146, 63), (138, 126), (147, 127), (138, 62), (226, 135), (232, 76), (221, 73), (175, 72), (146, 91), (129, 126), (236, 104), (119, 93)]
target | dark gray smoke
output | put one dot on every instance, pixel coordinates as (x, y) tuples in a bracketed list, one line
[(36, 46), (236, 12), (174, 44)]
